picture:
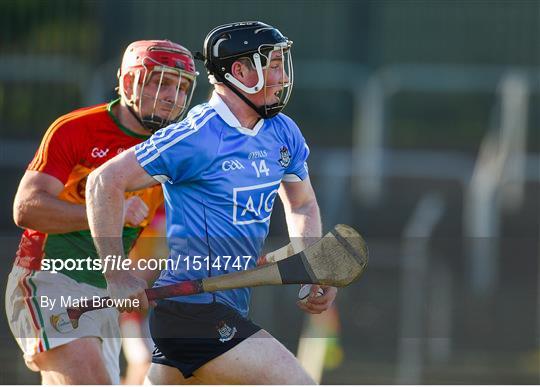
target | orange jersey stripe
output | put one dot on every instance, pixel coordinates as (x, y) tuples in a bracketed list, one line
[(38, 160), (44, 149), (41, 158)]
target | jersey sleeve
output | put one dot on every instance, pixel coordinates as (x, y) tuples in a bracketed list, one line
[(173, 154), (297, 170), (57, 153)]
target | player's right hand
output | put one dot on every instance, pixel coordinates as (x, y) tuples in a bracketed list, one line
[(125, 286), (135, 210), (317, 304)]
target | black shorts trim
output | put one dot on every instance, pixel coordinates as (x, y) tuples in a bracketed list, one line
[(187, 336)]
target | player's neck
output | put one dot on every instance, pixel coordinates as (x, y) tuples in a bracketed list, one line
[(247, 117), (126, 118)]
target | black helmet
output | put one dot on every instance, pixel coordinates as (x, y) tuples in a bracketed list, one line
[(254, 40)]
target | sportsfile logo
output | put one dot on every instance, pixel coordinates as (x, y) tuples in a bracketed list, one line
[(253, 204)]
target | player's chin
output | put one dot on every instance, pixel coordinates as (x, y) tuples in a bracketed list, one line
[(273, 97), (166, 114), (167, 111)]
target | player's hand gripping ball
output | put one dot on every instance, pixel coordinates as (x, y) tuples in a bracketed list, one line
[(304, 292)]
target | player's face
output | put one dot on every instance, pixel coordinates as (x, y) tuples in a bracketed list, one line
[(164, 95), (276, 80)]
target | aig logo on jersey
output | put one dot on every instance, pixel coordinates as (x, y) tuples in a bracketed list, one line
[(231, 165), (253, 204)]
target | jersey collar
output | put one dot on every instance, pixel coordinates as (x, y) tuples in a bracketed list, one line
[(127, 131), (225, 113)]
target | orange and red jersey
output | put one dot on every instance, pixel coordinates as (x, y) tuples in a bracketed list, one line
[(73, 146)]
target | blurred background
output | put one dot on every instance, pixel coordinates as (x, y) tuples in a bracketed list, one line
[(424, 124)]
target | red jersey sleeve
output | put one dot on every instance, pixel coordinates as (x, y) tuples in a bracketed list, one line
[(57, 154)]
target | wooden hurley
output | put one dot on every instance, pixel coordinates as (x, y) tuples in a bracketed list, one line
[(337, 259)]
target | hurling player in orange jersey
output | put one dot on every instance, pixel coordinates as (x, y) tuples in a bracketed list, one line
[(156, 82)]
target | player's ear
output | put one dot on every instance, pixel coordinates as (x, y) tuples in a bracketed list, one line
[(241, 71), (238, 70), (127, 84)]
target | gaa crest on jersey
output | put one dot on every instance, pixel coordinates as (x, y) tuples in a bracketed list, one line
[(99, 153), (61, 323), (225, 332), (284, 156)]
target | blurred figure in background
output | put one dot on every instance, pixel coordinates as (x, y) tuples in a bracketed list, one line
[(137, 344), (319, 347), (156, 81)]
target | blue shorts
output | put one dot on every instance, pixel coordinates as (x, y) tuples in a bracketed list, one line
[(187, 336)]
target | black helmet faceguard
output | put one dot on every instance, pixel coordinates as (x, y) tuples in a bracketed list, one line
[(254, 40)]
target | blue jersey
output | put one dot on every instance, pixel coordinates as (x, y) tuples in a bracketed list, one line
[(220, 181)]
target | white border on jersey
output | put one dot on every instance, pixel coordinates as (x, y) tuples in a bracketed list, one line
[(175, 140), (235, 204), (166, 133)]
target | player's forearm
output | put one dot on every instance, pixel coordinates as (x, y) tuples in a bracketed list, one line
[(44, 212), (304, 224), (105, 211)]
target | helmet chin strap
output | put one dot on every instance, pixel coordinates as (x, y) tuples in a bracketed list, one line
[(262, 111), (139, 120), (148, 122), (154, 126)]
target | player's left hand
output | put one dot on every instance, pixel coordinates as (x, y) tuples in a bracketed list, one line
[(318, 304)]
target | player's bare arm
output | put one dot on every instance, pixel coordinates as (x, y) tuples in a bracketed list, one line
[(304, 223), (37, 206), (105, 191), (301, 210)]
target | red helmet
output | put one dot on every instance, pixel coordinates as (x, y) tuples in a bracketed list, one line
[(150, 53), (143, 58)]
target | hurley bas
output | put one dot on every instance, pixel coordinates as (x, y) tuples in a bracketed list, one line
[(84, 302)]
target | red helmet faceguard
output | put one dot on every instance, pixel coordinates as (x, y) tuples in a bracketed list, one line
[(164, 78)]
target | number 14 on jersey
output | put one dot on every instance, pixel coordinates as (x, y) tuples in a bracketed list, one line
[(261, 168)]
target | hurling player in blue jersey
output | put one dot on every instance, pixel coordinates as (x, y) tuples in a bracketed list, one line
[(221, 169)]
